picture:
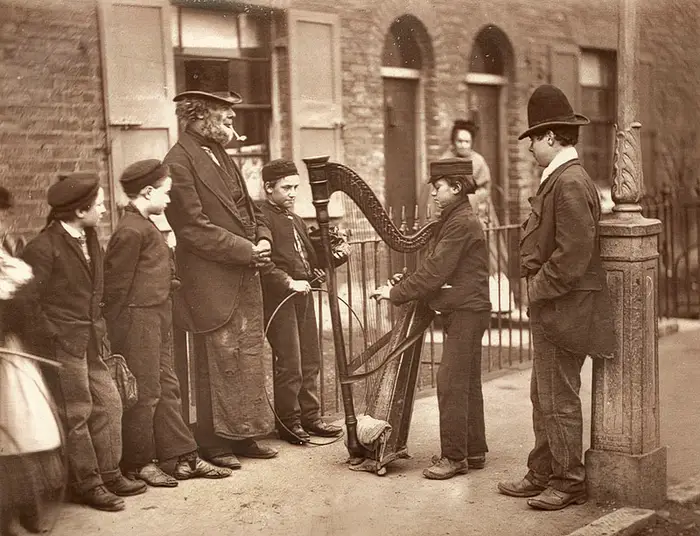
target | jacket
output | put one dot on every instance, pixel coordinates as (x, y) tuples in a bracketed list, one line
[(560, 257), (286, 262), (138, 268), (213, 253), (457, 260), (65, 298)]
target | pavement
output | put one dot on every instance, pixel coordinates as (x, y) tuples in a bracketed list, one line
[(310, 491)]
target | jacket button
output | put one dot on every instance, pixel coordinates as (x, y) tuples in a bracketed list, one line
[(102, 304)]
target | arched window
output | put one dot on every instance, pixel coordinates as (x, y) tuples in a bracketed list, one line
[(487, 52), (401, 47)]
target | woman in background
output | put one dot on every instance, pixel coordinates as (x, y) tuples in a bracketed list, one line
[(462, 139), (462, 146)]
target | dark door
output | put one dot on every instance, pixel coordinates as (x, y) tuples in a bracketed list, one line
[(400, 133), (488, 140)]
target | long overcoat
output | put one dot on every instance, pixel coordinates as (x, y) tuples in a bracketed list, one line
[(213, 252), (560, 257)]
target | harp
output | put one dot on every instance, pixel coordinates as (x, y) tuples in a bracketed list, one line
[(391, 361)]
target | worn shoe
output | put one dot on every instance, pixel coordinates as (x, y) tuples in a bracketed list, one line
[(294, 434), (473, 462), (476, 462), (125, 487), (445, 468), (202, 469), (520, 488), (553, 499), (249, 448), (154, 476), (100, 498), (225, 460), (321, 429)]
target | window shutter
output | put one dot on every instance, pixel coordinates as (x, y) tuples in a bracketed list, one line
[(139, 82), (564, 72), (316, 96)]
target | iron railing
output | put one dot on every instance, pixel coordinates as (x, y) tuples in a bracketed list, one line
[(506, 344), (679, 276)]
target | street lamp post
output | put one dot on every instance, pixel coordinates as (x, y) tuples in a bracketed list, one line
[(626, 462)]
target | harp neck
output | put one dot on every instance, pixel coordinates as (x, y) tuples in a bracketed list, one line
[(343, 179)]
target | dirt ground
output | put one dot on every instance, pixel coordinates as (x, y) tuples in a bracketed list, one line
[(675, 520)]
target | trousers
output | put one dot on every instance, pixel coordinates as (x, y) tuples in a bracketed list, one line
[(154, 427), (293, 336), (460, 398), (90, 409), (556, 459)]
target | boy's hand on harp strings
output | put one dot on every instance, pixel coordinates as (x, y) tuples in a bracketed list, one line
[(381, 293)]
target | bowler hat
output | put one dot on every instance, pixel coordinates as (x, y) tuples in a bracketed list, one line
[(141, 174), (73, 190), (228, 98), (549, 107), (278, 169)]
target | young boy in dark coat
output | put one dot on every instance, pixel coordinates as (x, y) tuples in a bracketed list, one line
[(454, 280), (139, 278), (65, 302), (293, 334)]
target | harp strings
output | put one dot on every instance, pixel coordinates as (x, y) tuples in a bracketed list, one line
[(367, 268)]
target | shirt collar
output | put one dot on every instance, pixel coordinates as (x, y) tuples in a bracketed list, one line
[(72, 230), (565, 155)]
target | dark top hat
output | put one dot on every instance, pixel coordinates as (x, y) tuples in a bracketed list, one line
[(549, 107), (228, 98)]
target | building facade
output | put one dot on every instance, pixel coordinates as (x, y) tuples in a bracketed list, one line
[(88, 85)]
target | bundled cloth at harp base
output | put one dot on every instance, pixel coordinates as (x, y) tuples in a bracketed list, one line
[(372, 434), (30, 438)]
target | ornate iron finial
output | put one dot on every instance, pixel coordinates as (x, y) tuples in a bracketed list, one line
[(628, 177)]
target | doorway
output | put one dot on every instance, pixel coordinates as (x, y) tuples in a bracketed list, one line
[(400, 151)]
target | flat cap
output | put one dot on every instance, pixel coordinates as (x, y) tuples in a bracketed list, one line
[(228, 98), (141, 174), (73, 190), (449, 167), (278, 169)]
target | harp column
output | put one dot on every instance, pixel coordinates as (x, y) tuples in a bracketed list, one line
[(320, 193), (626, 461)]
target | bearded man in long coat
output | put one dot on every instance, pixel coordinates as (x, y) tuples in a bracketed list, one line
[(221, 245)]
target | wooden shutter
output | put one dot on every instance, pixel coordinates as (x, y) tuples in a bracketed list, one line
[(139, 83), (316, 95), (564, 72)]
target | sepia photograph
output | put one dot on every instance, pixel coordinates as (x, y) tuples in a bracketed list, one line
[(349, 268)]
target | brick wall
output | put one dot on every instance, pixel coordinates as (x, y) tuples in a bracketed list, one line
[(51, 108), (668, 35), (52, 118)]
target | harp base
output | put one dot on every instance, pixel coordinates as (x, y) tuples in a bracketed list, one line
[(378, 467)]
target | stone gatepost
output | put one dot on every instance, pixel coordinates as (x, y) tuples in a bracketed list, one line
[(626, 462)]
